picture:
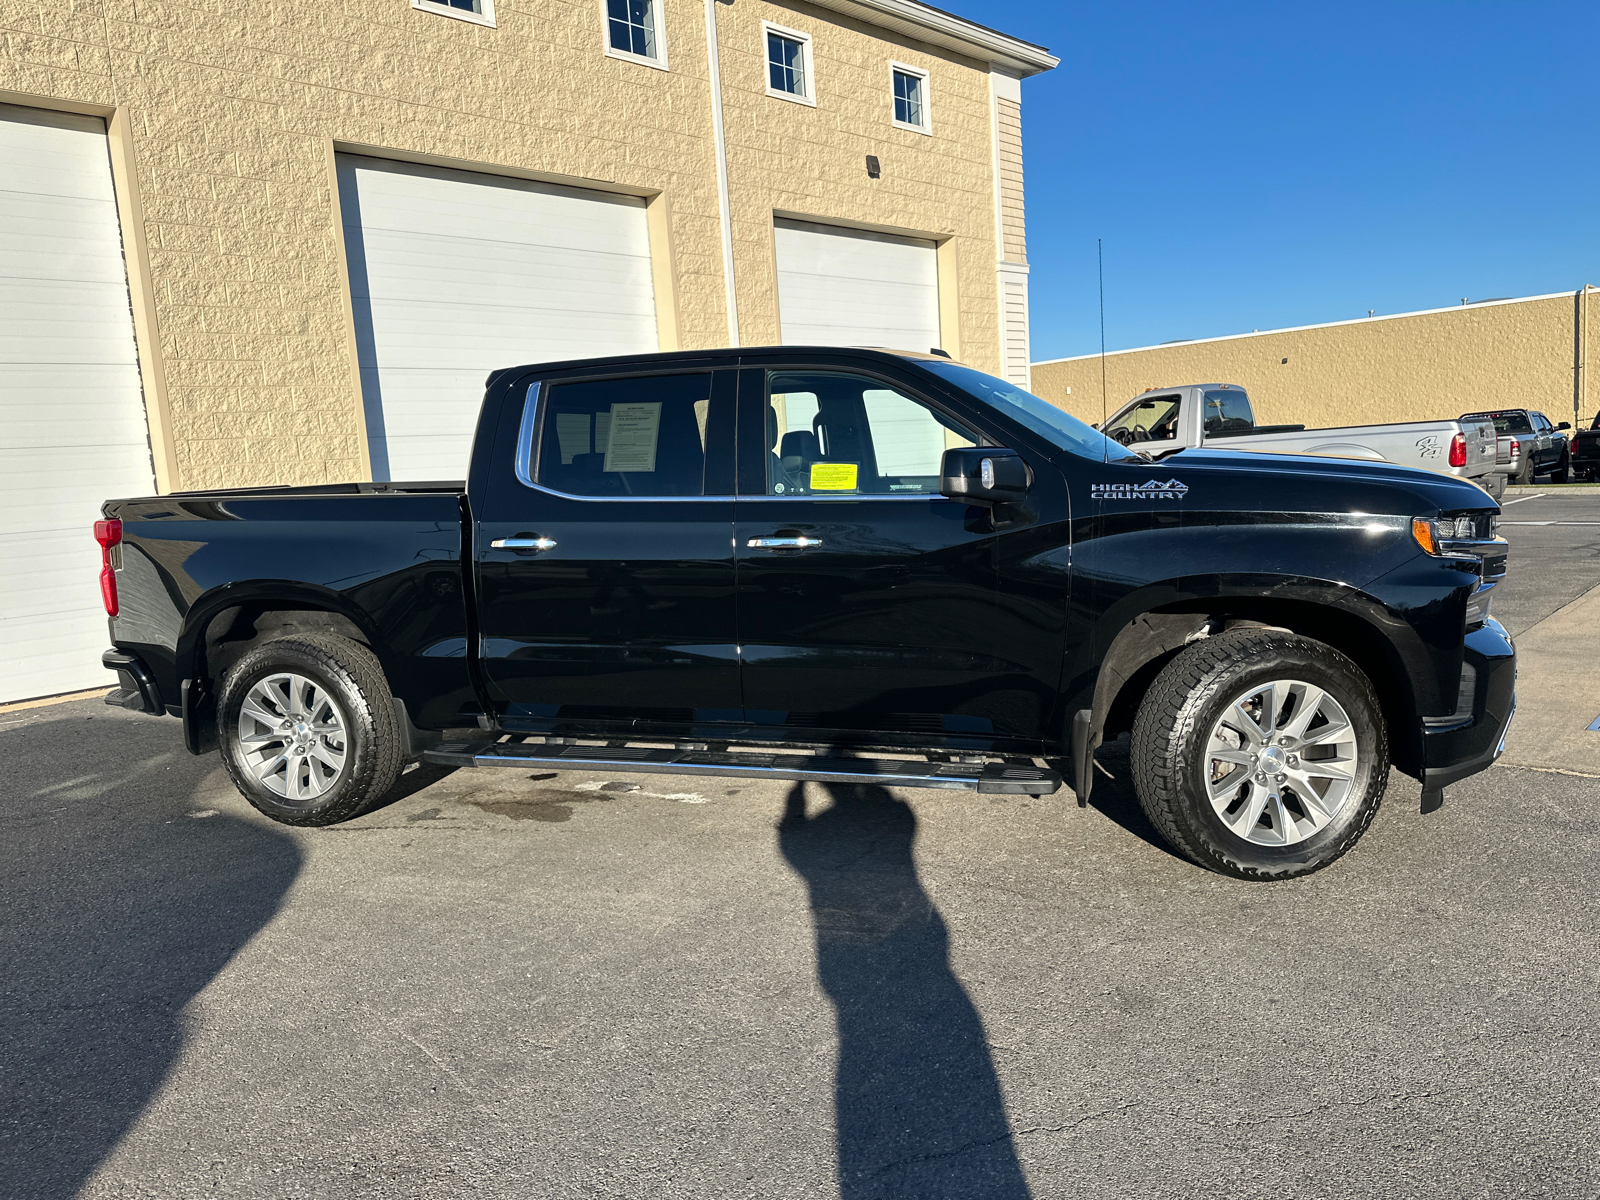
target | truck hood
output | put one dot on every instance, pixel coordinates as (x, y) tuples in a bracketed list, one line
[(1318, 483)]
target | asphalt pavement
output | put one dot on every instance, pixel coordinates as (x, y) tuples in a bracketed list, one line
[(594, 986)]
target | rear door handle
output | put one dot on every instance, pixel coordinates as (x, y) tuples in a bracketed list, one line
[(783, 543), (523, 543)]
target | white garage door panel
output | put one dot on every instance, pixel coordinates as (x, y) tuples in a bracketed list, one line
[(455, 274), (49, 573), (65, 322), (846, 287), (64, 406), (72, 424)]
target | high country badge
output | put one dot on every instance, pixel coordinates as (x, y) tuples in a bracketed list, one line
[(1151, 489)]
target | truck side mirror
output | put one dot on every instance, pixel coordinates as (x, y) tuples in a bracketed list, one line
[(1565, 425), (981, 476)]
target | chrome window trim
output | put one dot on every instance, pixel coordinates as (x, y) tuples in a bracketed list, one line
[(524, 469)]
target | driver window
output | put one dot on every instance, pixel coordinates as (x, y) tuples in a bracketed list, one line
[(830, 433), (1152, 420)]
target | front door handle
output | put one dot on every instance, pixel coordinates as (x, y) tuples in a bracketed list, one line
[(523, 543), (783, 543)]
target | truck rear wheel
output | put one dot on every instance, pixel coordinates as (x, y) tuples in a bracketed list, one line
[(1260, 754), (308, 730)]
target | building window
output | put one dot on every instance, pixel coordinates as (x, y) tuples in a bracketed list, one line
[(789, 70), (633, 32), (911, 98), (479, 12)]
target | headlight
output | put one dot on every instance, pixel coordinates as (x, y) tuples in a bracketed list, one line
[(1432, 533)]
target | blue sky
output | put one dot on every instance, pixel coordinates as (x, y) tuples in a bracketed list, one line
[(1252, 165)]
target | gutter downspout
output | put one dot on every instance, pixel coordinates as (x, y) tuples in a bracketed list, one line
[(714, 66), (1580, 362)]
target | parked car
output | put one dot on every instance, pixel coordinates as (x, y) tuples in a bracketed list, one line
[(1541, 446), (1199, 414), (1585, 451), (848, 566)]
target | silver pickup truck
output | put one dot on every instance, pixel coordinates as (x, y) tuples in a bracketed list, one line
[(1219, 414)]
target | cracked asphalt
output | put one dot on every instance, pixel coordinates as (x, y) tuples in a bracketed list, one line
[(589, 986)]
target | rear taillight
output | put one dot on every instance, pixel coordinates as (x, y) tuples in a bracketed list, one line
[(1516, 447), (1458, 450), (108, 534)]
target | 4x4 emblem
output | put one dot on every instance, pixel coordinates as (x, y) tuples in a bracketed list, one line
[(1151, 489)]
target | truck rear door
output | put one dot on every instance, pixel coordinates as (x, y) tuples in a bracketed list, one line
[(604, 555)]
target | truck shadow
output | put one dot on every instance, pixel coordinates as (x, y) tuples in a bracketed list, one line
[(917, 1103), (124, 899), (1113, 795)]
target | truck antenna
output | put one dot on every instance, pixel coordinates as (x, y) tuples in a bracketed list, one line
[(1100, 254)]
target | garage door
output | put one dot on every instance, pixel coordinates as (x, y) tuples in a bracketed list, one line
[(454, 274), (72, 425), (846, 287)]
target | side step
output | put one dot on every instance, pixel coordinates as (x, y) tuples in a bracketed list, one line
[(1009, 779)]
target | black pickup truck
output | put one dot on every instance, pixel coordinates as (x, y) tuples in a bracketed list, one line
[(838, 565)]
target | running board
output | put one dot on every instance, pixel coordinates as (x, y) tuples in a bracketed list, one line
[(1007, 779)]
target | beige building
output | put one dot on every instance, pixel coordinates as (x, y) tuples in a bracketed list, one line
[(1524, 353), (266, 242)]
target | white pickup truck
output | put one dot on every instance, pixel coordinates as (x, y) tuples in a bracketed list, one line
[(1219, 415)]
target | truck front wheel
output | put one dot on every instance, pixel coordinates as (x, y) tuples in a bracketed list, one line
[(1260, 754), (308, 729)]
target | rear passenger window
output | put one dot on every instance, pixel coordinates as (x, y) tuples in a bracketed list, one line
[(830, 433), (626, 437)]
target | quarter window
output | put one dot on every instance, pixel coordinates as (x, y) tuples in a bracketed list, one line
[(626, 437), (631, 28), (831, 434), (789, 68), (911, 98)]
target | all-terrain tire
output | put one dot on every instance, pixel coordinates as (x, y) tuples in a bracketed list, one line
[(1172, 731), (1559, 475), (353, 680), (1524, 476)]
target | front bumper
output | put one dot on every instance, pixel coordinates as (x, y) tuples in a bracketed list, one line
[(1455, 750)]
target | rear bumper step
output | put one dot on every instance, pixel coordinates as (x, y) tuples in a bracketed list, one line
[(1003, 778)]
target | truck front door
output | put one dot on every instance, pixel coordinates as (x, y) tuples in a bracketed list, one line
[(868, 602), (604, 557)]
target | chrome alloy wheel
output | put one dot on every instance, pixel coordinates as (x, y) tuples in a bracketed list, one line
[(292, 736), (1281, 762)]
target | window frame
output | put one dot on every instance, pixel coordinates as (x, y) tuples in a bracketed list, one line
[(755, 390), (484, 17), (658, 15), (900, 68), (808, 74), (530, 431)]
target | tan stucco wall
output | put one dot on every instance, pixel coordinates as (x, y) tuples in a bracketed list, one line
[(230, 114), (1405, 368)]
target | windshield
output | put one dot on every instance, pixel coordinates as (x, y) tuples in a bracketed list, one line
[(1039, 416), (1152, 420)]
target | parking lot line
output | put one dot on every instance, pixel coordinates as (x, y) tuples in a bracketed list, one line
[(1520, 499)]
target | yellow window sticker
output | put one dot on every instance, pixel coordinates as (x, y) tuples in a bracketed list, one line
[(833, 477)]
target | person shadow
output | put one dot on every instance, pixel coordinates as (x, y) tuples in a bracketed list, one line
[(918, 1105), (124, 899)]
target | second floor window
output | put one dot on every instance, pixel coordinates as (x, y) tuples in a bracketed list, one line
[(911, 98), (632, 27), (788, 65)]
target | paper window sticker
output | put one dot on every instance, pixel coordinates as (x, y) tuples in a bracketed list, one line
[(572, 435), (833, 477), (635, 430)]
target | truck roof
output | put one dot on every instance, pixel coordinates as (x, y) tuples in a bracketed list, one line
[(718, 354)]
